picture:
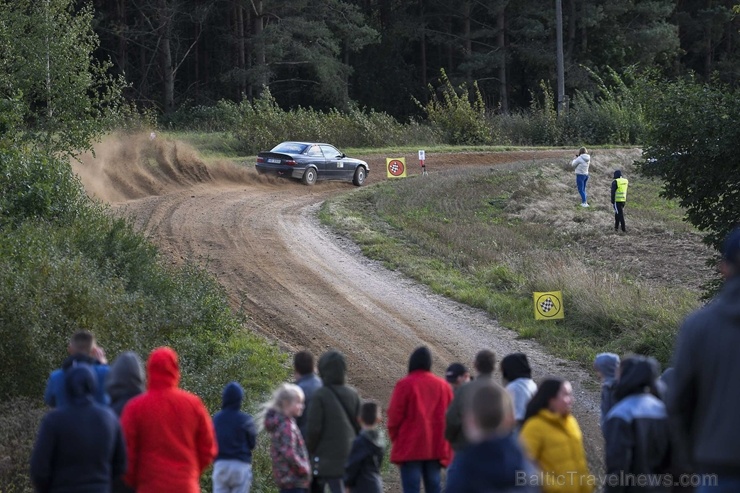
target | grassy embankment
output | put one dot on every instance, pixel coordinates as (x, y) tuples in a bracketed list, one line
[(490, 237)]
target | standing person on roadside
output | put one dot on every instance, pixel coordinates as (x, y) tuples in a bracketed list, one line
[(619, 199), (553, 440), (332, 424), (607, 365), (82, 349), (125, 381), (304, 368), (416, 416), (457, 376), (168, 431), (518, 380), (636, 432), (704, 395), (79, 446), (581, 164), (484, 364), (236, 436), (291, 468)]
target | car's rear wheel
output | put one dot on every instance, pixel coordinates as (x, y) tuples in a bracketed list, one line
[(360, 175), (309, 177)]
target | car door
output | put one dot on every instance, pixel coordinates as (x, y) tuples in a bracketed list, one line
[(334, 165), (316, 157)]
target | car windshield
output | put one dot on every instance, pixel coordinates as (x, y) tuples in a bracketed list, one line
[(290, 147)]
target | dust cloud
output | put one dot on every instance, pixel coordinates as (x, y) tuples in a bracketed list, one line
[(127, 167)]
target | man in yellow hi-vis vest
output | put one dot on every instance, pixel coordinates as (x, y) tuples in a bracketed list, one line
[(619, 199)]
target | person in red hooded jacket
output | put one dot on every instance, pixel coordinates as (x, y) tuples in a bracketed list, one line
[(416, 425), (168, 432)]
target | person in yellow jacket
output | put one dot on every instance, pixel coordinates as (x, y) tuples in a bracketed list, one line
[(619, 199), (552, 438)]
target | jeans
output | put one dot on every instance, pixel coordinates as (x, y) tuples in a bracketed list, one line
[(232, 476), (581, 181), (725, 484), (319, 484), (412, 474)]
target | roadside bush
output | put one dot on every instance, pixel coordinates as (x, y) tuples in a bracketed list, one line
[(66, 265)]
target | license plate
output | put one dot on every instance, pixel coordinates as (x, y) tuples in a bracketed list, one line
[(272, 160)]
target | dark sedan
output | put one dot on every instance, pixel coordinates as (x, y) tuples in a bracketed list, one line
[(310, 162)]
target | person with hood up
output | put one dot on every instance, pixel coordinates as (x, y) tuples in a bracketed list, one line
[(619, 199), (518, 379), (82, 349), (704, 396), (606, 365), (79, 446), (636, 430), (291, 468), (125, 381), (494, 460), (581, 164), (168, 431), (553, 440), (416, 424), (362, 471), (236, 436), (332, 424)]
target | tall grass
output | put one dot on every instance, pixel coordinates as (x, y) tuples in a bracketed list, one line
[(491, 238)]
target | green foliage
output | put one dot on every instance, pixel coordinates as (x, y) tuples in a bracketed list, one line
[(692, 145), (35, 186), (459, 113), (67, 264), (262, 124), (65, 94)]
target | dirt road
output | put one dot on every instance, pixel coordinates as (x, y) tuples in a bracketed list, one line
[(302, 285)]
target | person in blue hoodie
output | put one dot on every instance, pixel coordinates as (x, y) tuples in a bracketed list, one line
[(493, 461), (236, 435), (636, 431), (606, 365), (79, 446)]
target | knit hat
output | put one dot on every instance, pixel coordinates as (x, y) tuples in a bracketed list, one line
[(731, 247), (618, 174), (607, 364)]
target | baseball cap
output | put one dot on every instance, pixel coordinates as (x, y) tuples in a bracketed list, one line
[(454, 371), (731, 247)]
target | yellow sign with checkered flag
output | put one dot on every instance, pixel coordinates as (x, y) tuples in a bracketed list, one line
[(395, 167), (548, 305)]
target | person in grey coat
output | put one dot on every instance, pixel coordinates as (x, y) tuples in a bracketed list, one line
[(332, 424), (125, 380), (704, 397)]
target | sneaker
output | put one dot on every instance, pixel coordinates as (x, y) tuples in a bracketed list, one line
[(584, 204)]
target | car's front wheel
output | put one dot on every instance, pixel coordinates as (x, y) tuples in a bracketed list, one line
[(360, 175), (309, 177)]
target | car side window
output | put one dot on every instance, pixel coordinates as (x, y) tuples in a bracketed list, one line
[(314, 151), (331, 152)]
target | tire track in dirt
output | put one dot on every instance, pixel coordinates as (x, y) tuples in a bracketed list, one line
[(305, 287)]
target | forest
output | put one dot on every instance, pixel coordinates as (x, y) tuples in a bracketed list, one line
[(383, 54)]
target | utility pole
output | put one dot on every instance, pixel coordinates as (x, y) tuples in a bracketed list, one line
[(561, 68)]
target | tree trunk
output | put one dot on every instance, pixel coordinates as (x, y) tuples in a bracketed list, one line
[(501, 44), (121, 21), (248, 51), (423, 51), (467, 41), (241, 52), (165, 56), (571, 31), (260, 59)]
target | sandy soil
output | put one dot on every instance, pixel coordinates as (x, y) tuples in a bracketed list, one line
[(302, 285)]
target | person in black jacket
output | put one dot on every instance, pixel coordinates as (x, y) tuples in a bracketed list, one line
[(362, 471), (636, 431), (80, 446)]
